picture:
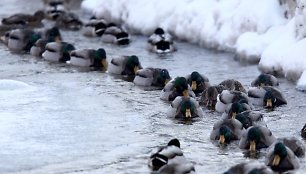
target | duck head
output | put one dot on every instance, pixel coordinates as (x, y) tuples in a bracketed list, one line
[(225, 135), (263, 80), (99, 61), (187, 109), (163, 77), (253, 137), (66, 49), (132, 66), (236, 108), (159, 31), (54, 35), (279, 152), (269, 100), (195, 80), (174, 142), (181, 86)]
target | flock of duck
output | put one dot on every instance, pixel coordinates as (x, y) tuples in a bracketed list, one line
[(187, 95)]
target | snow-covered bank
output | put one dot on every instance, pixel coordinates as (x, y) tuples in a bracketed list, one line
[(270, 32)]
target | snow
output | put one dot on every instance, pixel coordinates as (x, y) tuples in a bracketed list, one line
[(268, 32)]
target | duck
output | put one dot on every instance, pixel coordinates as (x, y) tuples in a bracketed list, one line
[(293, 144), (198, 82), (235, 108), (112, 28), (280, 158), (254, 167), (267, 96), (152, 77), (176, 87), (161, 155), (25, 19), (22, 40), (256, 137), (121, 38), (125, 66), (69, 21), (47, 35), (209, 96), (94, 28), (158, 35), (54, 9), (265, 80), (161, 42), (185, 108), (227, 131), (303, 131), (58, 51), (95, 59), (250, 118), (227, 97), (170, 160), (233, 85)]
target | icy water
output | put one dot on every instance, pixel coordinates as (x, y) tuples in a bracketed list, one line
[(69, 120)]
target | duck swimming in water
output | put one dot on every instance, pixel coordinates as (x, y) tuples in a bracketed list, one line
[(125, 65), (25, 19), (22, 40), (253, 167), (152, 77), (233, 85), (265, 80), (95, 59), (209, 96), (198, 82), (58, 51)]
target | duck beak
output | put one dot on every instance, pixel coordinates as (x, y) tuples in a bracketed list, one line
[(105, 64), (193, 85), (234, 115), (222, 139), (185, 93), (166, 81), (188, 113), (276, 160), (252, 146), (269, 103), (136, 68)]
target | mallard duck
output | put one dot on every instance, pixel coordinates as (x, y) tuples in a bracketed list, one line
[(121, 38), (198, 82), (47, 35), (233, 85), (89, 58), (170, 160), (209, 96), (158, 35), (265, 80), (69, 21), (294, 144), (125, 65), (152, 77), (227, 130), (250, 118), (54, 9), (235, 108), (160, 157), (227, 97), (95, 27), (176, 87), (112, 29), (280, 158), (22, 40), (58, 51), (185, 108), (267, 96), (303, 131), (162, 47), (25, 19), (256, 137), (254, 167)]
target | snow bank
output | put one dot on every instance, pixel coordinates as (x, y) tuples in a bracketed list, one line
[(268, 32)]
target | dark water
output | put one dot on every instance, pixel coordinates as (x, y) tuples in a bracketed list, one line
[(74, 121)]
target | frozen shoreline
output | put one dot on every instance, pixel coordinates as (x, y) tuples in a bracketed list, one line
[(268, 32)]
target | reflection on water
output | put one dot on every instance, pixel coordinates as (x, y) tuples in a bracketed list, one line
[(78, 121)]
